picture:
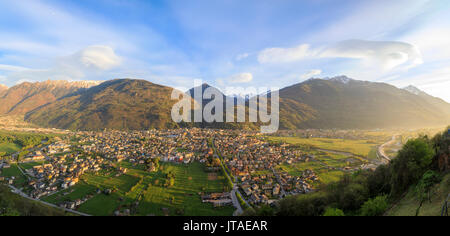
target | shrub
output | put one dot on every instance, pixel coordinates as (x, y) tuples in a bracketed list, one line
[(374, 207), (333, 212)]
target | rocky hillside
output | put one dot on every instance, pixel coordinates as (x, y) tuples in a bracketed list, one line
[(25, 97)]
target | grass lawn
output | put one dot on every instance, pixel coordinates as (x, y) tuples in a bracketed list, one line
[(357, 147), (101, 204), (9, 148)]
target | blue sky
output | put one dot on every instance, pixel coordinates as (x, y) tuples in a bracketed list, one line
[(227, 43)]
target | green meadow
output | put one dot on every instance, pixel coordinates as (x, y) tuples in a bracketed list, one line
[(20, 179), (357, 147), (145, 193), (9, 148)]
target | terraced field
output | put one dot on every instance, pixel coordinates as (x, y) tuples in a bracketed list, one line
[(144, 192)]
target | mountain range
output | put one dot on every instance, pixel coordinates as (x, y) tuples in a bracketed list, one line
[(338, 102)]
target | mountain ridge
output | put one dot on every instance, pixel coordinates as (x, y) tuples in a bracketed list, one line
[(27, 96), (338, 102)]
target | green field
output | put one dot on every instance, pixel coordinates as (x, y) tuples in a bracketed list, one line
[(9, 148), (357, 147), (328, 166), (189, 181), (20, 180), (148, 190), (325, 174)]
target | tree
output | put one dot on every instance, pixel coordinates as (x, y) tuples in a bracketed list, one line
[(411, 163), (424, 187), (375, 207), (333, 212)]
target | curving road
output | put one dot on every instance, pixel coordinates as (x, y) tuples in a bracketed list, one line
[(381, 153)]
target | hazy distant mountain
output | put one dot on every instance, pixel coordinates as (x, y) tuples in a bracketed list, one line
[(116, 104), (202, 89), (26, 97), (205, 101), (439, 103), (341, 102)]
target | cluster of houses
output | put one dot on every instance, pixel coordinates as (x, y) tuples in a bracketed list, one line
[(217, 199), (75, 204), (61, 171), (253, 161)]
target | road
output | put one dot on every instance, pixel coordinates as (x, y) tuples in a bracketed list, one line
[(381, 153), (236, 204), (17, 191), (235, 189)]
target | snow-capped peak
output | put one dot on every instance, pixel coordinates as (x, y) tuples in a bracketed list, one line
[(414, 90), (342, 79)]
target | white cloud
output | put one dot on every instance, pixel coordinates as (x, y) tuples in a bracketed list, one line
[(236, 79), (372, 59), (4, 67), (81, 65), (241, 56), (285, 55), (311, 74), (241, 78), (383, 54), (99, 57)]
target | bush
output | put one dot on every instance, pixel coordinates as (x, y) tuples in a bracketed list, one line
[(375, 207), (312, 204), (333, 212)]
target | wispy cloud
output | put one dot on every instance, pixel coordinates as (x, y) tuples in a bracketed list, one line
[(285, 55), (386, 55), (236, 79), (310, 74)]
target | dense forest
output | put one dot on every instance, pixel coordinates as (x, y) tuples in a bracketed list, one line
[(421, 163)]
